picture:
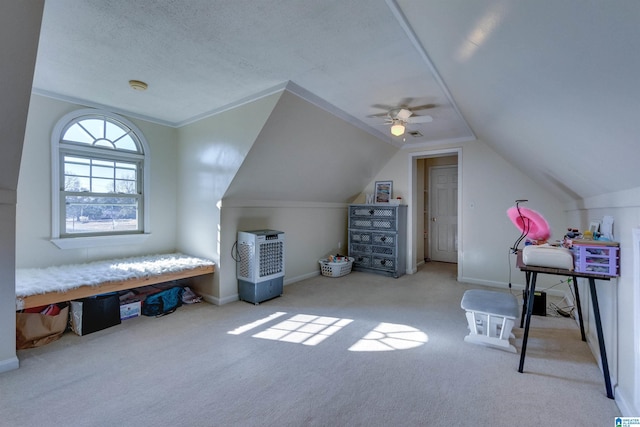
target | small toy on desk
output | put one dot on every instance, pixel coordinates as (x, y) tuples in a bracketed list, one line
[(573, 233)]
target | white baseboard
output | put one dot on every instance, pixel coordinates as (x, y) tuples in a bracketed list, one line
[(232, 298), (289, 281), (219, 301), (624, 404), (9, 364)]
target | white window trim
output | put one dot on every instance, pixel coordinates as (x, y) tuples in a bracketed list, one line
[(77, 242)]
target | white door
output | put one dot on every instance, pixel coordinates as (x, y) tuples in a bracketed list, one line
[(443, 208)]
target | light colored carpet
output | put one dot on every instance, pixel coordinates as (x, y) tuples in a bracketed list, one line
[(361, 350)]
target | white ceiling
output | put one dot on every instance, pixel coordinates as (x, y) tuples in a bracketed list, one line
[(552, 86), (200, 57)]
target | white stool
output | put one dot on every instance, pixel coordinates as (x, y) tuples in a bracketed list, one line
[(491, 316)]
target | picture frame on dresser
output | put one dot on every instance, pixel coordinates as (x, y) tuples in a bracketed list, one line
[(383, 191)]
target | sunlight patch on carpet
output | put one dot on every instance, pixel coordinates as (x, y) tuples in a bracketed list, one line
[(309, 329), (244, 328), (304, 329), (390, 337)]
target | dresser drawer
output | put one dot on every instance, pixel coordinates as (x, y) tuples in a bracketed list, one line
[(372, 223), (372, 211), (384, 250), (384, 239), (383, 263), (357, 248), (361, 260), (360, 237)]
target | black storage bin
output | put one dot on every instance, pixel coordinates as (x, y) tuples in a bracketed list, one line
[(95, 313)]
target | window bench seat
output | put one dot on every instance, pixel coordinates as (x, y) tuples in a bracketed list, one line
[(43, 286)]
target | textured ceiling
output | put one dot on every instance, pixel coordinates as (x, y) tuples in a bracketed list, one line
[(551, 86), (200, 57)]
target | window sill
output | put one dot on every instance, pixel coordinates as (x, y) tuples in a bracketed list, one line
[(100, 241)]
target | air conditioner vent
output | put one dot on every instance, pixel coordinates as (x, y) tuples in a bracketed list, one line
[(415, 133)]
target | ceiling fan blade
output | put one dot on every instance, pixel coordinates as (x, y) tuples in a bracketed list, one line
[(420, 119), (423, 107), (405, 102), (383, 107), (403, 114), (379, 115)]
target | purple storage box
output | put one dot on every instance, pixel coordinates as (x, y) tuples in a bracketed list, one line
[(596, 259)]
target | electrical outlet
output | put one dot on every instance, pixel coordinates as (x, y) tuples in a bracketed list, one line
[(339, 245)]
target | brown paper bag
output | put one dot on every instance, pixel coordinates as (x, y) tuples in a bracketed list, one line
[(35, 329)]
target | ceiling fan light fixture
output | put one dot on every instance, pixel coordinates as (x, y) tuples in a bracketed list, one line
[(397, 128)]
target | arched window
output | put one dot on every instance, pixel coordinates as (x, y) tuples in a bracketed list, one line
[(99, 164)]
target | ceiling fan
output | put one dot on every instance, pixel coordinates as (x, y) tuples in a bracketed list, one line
[(399, 117)]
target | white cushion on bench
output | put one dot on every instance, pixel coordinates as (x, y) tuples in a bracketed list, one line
[(33, 281)]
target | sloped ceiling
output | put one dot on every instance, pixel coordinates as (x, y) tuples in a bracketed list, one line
[(304, 153), (549, 85)]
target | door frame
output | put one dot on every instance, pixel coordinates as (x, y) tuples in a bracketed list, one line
[(636, 317), (412, 220)]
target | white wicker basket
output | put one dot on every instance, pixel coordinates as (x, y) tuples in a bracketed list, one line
[(336, 269)]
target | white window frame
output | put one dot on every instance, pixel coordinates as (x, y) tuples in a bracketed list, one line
[(84, 241)]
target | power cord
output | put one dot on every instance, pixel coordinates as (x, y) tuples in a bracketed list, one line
[(235, 254), (566, 311), (526, 226), (509, 259)]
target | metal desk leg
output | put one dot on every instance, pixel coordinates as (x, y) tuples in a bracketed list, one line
[(525, 296), (575, 287), (523, 351), (603, 351)]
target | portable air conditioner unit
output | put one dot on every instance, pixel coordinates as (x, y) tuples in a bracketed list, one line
[(260, 267)]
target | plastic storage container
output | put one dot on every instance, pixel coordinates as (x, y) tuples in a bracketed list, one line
[(596, 259)]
